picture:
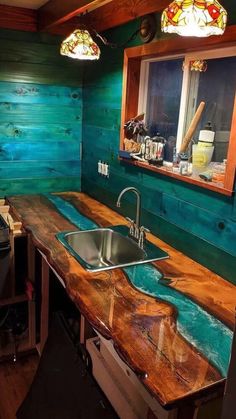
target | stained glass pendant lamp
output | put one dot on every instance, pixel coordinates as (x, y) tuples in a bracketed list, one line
[(194, 18), (80, 45)]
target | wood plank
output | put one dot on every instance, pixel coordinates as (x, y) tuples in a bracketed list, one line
[(199, 250), (39, 169), (17, 132), (39, 151), (34, 37), (34, 53), (212, 186), (103, 117), (130, 93), (44, 318), (15, 381), (37, 73), (167, 47), (39, 113), (173, 369), (173, 209), (183, 213), (231, 156), (38, 94), (18, 18), (13, 300), (55, 12), (119, 12), (41, 185)]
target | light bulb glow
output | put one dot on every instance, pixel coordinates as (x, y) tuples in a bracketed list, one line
[(80, 45), (199, 18)]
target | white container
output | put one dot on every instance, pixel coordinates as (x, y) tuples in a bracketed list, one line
[(206, 136)]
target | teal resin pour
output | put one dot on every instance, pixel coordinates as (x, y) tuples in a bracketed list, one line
[(209, 335), (71, 213), (200, 328)]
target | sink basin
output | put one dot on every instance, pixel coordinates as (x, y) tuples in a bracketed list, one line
[(108, 248)]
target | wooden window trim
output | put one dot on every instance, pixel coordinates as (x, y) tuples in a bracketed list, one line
[(130, 95)]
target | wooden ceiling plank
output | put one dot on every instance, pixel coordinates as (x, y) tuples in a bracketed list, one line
[(56, 12), (18, 18), (119, 12)]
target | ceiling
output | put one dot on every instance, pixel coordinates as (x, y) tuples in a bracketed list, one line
[(62, 16), (29, 4)]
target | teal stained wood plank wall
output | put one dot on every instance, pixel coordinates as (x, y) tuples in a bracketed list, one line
[(40, 115), (200, 223)]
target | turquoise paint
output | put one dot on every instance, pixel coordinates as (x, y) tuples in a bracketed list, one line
[(39, 169), (172, 210), (107, 96), (38, 185), (201, 329), (38, 93), (39, 151), (103, 117), (40, 115), (200, 250), (194, 212), (35, 133), (71, 213), (23, 72)]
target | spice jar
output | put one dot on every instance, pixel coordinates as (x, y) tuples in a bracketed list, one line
[(183, 164)]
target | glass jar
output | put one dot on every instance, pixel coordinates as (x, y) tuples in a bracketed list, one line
[(183, 164)]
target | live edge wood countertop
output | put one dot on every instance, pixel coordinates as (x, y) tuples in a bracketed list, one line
[(178, 343)]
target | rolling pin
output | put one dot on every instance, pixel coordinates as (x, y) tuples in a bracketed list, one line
[(192, 127)]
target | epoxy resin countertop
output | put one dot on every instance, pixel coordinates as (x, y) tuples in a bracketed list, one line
[(171, 321)]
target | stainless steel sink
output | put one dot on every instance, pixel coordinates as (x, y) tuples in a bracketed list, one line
[(108, 248)]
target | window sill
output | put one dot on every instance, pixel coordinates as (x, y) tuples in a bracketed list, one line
[(213, 186)]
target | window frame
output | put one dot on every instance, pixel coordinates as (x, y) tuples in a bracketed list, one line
[(134, 74)]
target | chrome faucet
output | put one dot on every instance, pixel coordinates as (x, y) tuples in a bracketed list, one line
[(135, 231)]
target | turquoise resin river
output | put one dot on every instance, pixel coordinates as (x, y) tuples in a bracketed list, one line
[(207, 334)]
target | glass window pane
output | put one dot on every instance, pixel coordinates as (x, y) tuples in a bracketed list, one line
[(163, 97), (216, 87)]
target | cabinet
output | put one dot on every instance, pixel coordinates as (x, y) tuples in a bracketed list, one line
[(120, 384), (17, 305)]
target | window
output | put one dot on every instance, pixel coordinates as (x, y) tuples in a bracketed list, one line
[(170, 93), (157, 81)]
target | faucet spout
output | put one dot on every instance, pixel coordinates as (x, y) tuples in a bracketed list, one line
[(138, 205)]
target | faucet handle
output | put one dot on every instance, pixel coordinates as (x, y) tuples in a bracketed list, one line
[(144, 230), (142, 236), (131, 227), (129, 219)]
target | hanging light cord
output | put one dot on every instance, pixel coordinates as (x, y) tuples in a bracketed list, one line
[(113, 45)]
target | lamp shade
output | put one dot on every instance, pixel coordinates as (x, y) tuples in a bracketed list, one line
[(80, 45), (194, 18)]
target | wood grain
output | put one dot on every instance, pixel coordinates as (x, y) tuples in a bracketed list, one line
[(120, 312), (55, 12), (15, 381), (119, 12), (192, 127), (18, 18), (40, 124), (231, 156), (167, 47)]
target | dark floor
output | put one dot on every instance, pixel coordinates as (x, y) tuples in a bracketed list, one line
[(15, 381)]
